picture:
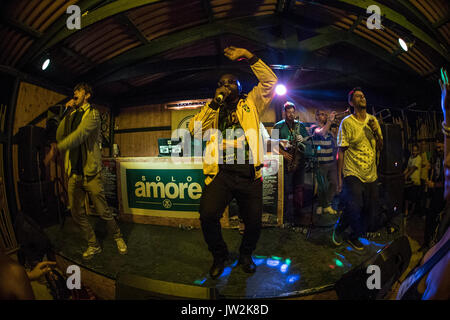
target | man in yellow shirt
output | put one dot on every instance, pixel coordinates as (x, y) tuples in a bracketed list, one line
[(233, 158), (359, 139)]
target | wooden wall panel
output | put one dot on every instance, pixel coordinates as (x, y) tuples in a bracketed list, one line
[(142, 117), (32, 100), (140, 144)]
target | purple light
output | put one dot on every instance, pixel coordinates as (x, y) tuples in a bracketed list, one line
[(280, 90)]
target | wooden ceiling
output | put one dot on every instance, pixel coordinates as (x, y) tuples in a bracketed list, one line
[(147, 50)]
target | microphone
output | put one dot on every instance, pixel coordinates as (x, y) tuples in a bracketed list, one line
[(219, 98)]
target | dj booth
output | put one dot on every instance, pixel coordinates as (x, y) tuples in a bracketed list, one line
[(167, 190)]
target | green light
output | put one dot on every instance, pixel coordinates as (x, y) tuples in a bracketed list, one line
[(288, 261), (339, 263), (276, 258), (260, 257)]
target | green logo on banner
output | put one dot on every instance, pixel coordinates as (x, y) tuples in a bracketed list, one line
[(173, 190)]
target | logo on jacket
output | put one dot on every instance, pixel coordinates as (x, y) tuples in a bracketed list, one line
[(246, 108)]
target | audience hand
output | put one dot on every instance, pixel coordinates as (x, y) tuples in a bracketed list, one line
[(40, 269)]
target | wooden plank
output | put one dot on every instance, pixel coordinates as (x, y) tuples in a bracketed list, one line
[(33, 100), (104, 288)]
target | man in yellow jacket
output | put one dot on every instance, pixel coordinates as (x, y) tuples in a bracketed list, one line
[(233, 158), (78, 137)]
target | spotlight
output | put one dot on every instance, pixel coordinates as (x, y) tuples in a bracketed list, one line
[(403, 44), (280, 90), (406, 44), (45, 64)]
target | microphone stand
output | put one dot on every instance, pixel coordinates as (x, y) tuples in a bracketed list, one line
[(314, 167)]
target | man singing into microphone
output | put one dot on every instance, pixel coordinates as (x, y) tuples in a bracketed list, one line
[(359, 139), (78, 136), (233, 174)]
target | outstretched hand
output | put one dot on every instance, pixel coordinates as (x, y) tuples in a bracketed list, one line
[(51, 155), (40, 269), (234, 53)]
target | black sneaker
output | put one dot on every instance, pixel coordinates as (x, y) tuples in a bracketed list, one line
[(337, 237), (356, 244)]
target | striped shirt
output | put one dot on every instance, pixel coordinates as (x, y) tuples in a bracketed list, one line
[(324, 146)]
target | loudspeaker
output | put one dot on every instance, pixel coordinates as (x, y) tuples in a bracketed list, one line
[(391, 188), (391, 156), (391, 261), (133, 287), (39, 202), (31, 142)]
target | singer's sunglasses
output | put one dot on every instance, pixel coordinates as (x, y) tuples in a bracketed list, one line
[(227, 81)]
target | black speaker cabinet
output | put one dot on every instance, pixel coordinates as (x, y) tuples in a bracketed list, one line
[(31, 142), (391, 156), (391, 188), (39, 202), (392, 262)]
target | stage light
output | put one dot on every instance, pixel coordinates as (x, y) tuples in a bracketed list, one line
[(258, 261), (364, 241), (293, 278), (288, 261), (284, 268), (406, 44), (280, 90), (226, 272), (200, 282), (338, 263), (272, 262), (276, 258), (46, 64)]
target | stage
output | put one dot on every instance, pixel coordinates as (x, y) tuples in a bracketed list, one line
[(289, 266)]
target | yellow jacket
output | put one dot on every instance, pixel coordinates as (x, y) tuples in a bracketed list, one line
[(205, 124)]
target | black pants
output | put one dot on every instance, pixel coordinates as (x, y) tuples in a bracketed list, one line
[(432, 214), (360, 201), (216, 196)]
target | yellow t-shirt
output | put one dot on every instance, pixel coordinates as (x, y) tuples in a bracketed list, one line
[(425, 166), (360, 157)]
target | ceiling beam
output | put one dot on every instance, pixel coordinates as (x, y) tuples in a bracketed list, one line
[(393, 16), (58, 32), (208, 10), (424, 21), (20, 27), (124, 20), (77, 56), (185, 37)]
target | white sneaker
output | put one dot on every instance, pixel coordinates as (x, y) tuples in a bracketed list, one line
[(319, 210), (329, 210), (121, 246), (91, 251)]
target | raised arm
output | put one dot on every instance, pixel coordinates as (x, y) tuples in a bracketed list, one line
[(262, 94)]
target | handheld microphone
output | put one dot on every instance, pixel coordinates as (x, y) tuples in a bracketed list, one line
[(219, 98)]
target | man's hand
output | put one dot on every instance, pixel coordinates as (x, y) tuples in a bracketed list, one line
[(339, 185), (332, 116), (51, 155), (299, 138), (286, 155), (284, 143), (222, 91), (373, 126), (40, 269), (234, 53), (445, 92)]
